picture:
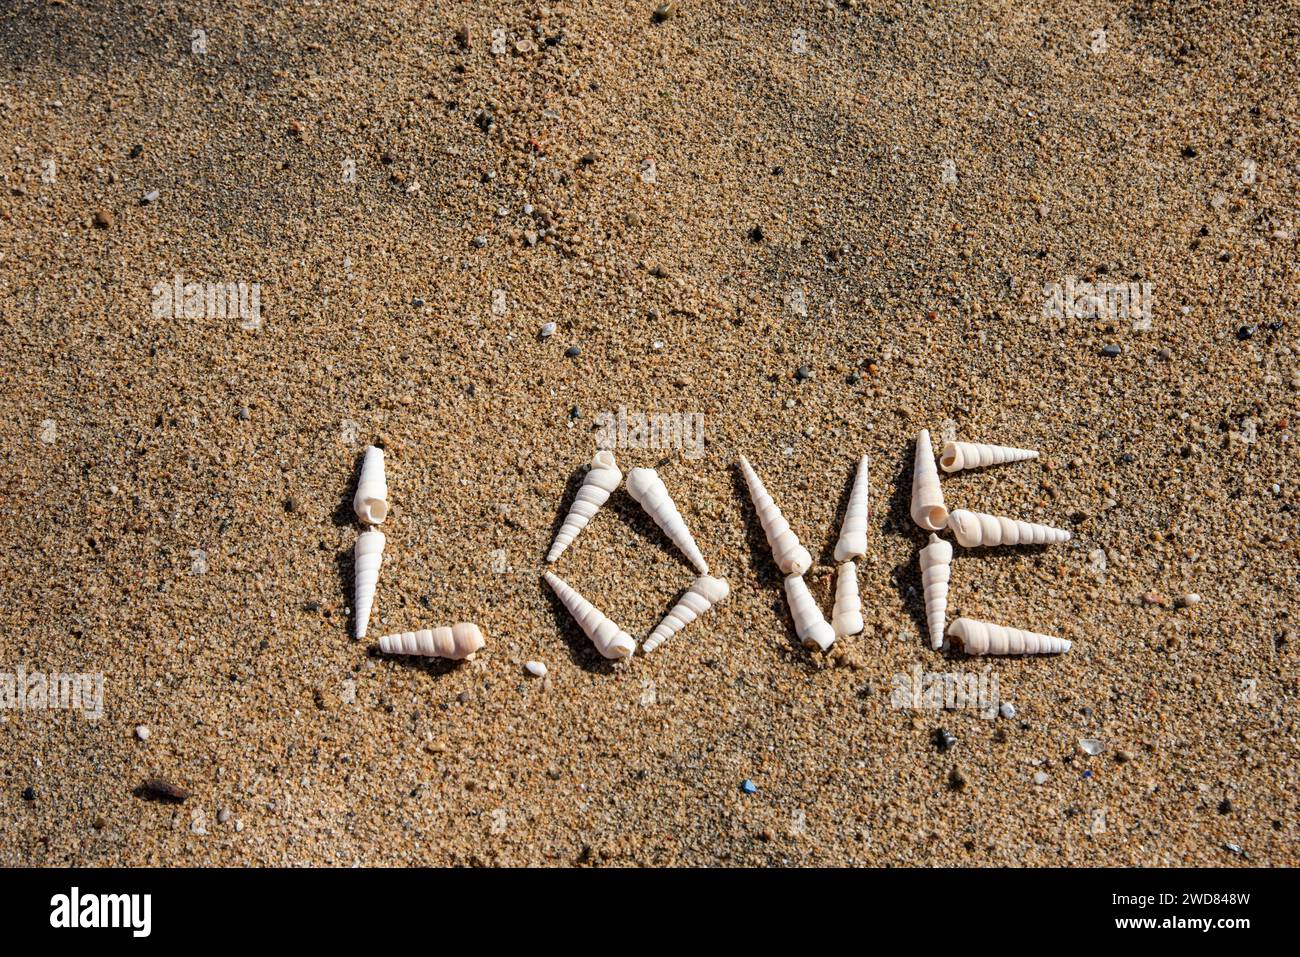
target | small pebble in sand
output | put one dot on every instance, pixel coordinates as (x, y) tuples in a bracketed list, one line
[(142, 732), (1188, 600), (1090, 746), (1246, 332), (29, 793), (103, 219), (957, 779), (756, 234), (480, 242), (1040, 777), (1007, 710), (664, 12), (149, 197), (573, 352), (536, 668), (802, 374), (748, 786), (1111, 351), (223, 815), (547, 330), (944, 740)]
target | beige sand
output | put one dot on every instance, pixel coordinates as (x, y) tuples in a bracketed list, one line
[(176, 490)]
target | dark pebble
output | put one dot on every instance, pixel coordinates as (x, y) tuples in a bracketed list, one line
[(802, 373), (756, 234), (1245, 332), (1225, 806), (162, 790), (136, 151), (944, 740), (1111, 351), (853, 378), (588, 159), (29, 794), (1189, 152), (572, 352), (291, 505)]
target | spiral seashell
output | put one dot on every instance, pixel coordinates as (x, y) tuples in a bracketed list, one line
[(936, 567), (986, 638), (367, 554), (972, 455), (928, 509), (459, 641), (649, 490), (602, 478), (609, 639), (976, 528), (791, 557), (809, 625), (853, 535), (846, 616), (704, 593), (371, 499)]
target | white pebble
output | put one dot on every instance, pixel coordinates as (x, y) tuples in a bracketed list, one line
[(151, 196), (536, 668), (142, 732), (223, 815), (1007, 709), (547, 330), (1190, 599), (1040, 777), (1090, 746)]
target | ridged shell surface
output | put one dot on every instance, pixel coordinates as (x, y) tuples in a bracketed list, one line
[(649, 490), (705, 592), (456, 642), (986, 638), (601, 479), (367, 554), (928, 509), (976, 529), (609, 639), (975, 455), (371, 499), (809, 625), (791, 557), (846, 616), (853, 535), (936, 569)]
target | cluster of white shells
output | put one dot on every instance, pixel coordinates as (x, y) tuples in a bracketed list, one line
[(649, 491), (370, 502), (811, 628), (972, 530)]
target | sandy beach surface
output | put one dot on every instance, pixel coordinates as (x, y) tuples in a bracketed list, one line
[(811, 230)]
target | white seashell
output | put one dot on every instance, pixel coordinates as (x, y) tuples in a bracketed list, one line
[(973, 455), (846, 616), (928, 509), (936, 568), (853, 536), (367, 553), (649, 490), (371, 501), (536, 668), (791, 557), (602, 478), (705, 592), (809, 625), (986, 638), (976, 528), (459, 641), (609, 639)]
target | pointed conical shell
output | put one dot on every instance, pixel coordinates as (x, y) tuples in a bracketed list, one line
[(649, 490), (703, 594), (367, 553), (371, 500), (986, 638), (461, 640), (973, 455), (809, 624), (976, 528), (602, 478), (936, 567), (928, 509), (791, 557), (609, 639), (846, 616), (853, 536)]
